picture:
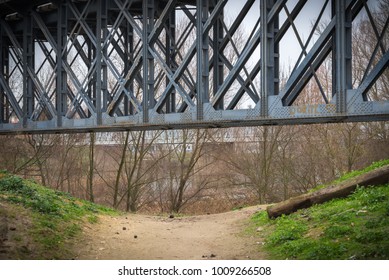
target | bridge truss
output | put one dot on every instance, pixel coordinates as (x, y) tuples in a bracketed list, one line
[(97, 65)]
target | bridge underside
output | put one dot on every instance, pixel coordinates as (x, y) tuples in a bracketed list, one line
[(97, 65)]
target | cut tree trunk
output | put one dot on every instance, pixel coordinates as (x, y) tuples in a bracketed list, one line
[(376, 177)]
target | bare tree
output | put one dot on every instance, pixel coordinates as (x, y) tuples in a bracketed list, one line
[(139, 168), (254, 160), (132, 161), (42, 147), (180, 182)]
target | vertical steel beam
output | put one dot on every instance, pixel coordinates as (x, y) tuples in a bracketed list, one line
[(202, 89), (269, 82), (218, 65), (276, 47), (6, 73), (128, 59), (148, 60), (333, 54), (343, 50), (170, 58), (104, 89), (28, 61), (62, 86), (101, 102), (264, 10), (91, 90), (131, 86), (2, 73)]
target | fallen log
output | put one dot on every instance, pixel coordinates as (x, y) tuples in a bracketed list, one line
[(378, 176)]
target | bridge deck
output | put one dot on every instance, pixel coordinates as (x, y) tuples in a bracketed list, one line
[(98, 65)]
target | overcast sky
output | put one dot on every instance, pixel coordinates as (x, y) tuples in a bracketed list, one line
[(289, 47)]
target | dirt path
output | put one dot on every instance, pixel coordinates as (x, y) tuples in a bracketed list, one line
[(138, 237)]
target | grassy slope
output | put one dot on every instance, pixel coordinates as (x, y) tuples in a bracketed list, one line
[(356, 227), (48, 220)]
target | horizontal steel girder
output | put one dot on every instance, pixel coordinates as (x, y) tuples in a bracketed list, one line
[(97, 65)]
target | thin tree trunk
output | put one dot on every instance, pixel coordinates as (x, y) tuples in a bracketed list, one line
[(91, 166), (121, 165)]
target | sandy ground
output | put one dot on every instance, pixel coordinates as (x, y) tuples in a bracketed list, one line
[(139, 237)]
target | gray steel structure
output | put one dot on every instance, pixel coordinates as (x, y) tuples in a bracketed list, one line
[(97, 65)]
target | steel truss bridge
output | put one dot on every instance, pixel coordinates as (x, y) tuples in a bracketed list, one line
[(97, 65)]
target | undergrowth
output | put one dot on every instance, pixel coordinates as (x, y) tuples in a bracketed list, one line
[(353, 174), (57, 216), (355, 227)]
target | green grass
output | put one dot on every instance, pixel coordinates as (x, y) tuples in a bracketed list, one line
[(57, 217), (356, 227)]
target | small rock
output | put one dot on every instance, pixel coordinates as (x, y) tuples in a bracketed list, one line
[(135, 236), (171, 216), (117, 232), (259, 229), (124, 228), (213, 256), (208, 213)]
